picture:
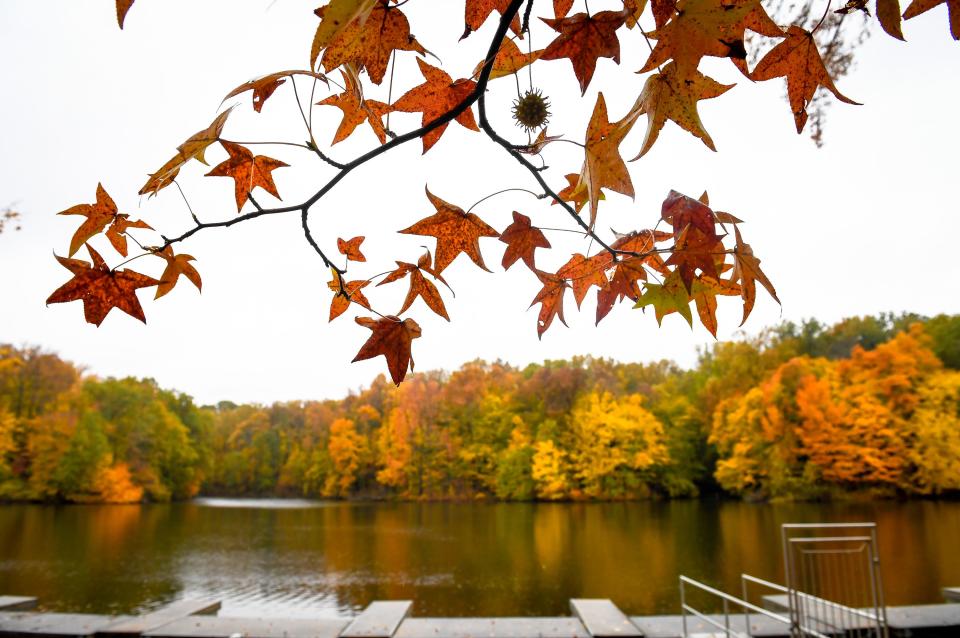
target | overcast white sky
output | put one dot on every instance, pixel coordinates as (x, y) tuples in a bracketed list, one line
[(867, 224)]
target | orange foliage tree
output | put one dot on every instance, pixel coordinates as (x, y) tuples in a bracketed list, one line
[(690, 254), (877, 419)]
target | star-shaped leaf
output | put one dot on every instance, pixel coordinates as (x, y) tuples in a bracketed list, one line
[(584, 272), (746, 270), (193, 148), (584, 39), (456, 232), (666, 96), (101, 289), (798, 59), (98, 215), (708, 28), (263, 87), (922, 6), (509, 60), (357, 110), (622, 285), (391, 338), (117, 231), (420, 286), (177, 265), (522, 240), (667, 298), (370, 44), (351, 248), (704, 292), (345, 293), (248, 171), (550, 299), (603, 167), (575, 192), (435, 97), (476, 13), (335, 18)]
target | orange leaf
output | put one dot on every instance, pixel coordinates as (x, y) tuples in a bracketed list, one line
[(456, 232), (351, 248), (707, 27), (356, 110), (668, 96), (122, 7), (746, 270), (335, 18), (662, 11), (117, 231), (101, 289), (420, 286), (193, 148), (264, 87), (888, 13), (704, 292), (584, 39), (922, 6), (509, 60), (575, 192), (603, 167), (370, 44), (347, 292), (98, 215), (434, 98), (391, 338), (584, 272), (561, 8), (622, 285), (522, 240), (248, 171), (798, 59), (176, 265), (550, 299), (476, 13)]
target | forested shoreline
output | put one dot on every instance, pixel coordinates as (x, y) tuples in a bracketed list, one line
[(870, 405)]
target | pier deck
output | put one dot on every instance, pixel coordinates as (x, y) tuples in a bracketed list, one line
[(593, 618)]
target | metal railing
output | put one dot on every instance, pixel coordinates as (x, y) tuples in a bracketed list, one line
[(834, 581), (727, 599)]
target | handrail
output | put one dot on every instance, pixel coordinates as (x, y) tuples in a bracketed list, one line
[(821, 601), (727, 599)]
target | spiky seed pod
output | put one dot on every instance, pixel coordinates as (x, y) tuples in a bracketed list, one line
[(532, 111)]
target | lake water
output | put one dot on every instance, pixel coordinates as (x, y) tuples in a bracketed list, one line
[(304, 558)]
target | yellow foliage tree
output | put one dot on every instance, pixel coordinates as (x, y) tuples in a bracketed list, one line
[(935, 434), (348, 454), (618, 444), (550, 471)]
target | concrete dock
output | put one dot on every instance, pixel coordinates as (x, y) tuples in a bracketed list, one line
[(590, 618)]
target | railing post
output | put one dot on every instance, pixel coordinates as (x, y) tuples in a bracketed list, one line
[(683, 608)]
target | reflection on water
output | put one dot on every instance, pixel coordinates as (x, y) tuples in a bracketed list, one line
[(302, 558), (264, 503)]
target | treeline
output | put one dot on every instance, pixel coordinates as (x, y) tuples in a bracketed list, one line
[(800, 411)]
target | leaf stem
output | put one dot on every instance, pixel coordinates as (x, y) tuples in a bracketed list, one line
[(506, 190)]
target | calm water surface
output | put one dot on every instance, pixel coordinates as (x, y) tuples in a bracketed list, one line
[(303, 558)]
